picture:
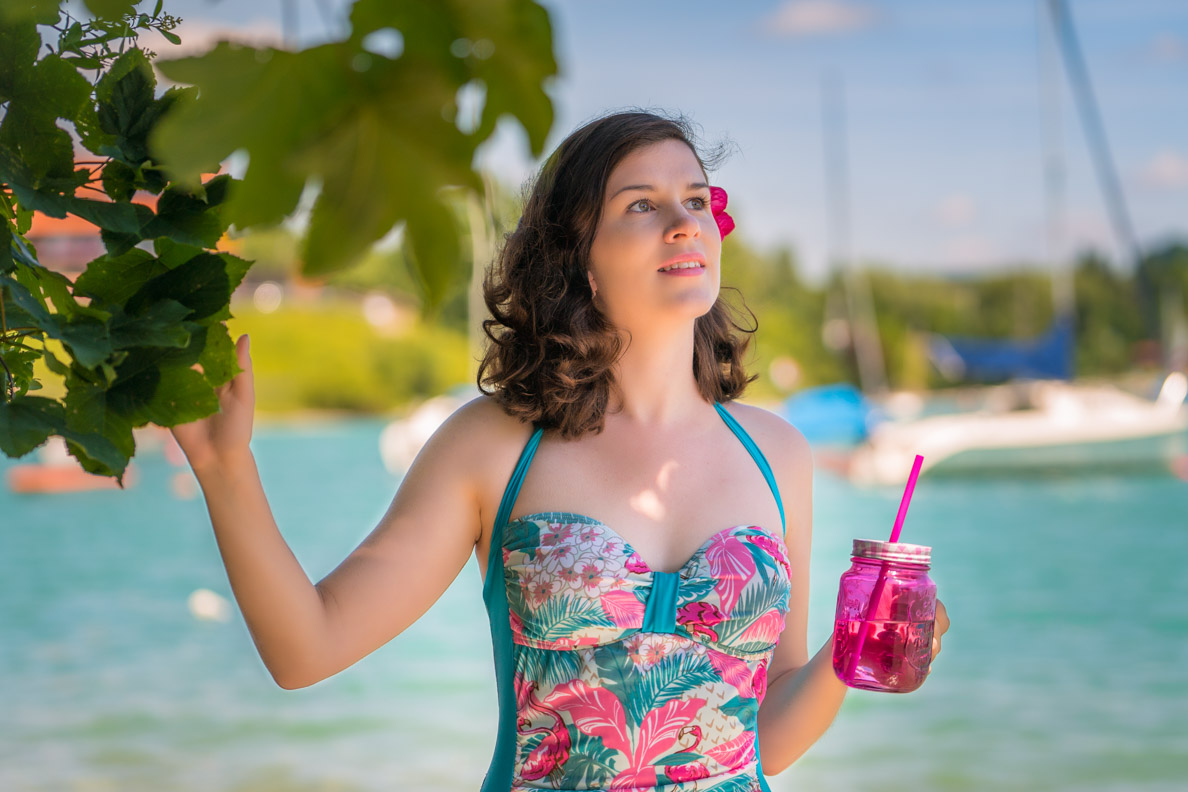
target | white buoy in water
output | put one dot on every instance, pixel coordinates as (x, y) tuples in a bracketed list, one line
[(205, 605)]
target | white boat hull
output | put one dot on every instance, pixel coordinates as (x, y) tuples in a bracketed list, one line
[(1067, 426)]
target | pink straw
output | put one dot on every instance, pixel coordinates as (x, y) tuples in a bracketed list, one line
[(907, 496), (880, 583)]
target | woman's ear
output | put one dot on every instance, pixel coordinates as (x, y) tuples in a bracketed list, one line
[(593, 285)]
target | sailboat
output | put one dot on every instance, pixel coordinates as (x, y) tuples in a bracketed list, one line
[(1055, 426), (1040, 419)]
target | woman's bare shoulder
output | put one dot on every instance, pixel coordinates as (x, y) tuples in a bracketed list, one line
[(782, 443), (480, 434)]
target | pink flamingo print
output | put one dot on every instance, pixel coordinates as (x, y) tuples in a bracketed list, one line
[(553, 750), (699, 618)]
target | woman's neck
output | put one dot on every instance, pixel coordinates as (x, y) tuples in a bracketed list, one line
[(655, 381)]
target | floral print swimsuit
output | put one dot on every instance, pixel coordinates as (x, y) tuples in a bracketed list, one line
[(614, 676)]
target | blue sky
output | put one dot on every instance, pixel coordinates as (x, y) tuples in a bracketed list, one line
[(943, 99)]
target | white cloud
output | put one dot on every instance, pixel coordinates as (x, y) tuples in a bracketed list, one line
[(1167, 170), (956, 210), (817, 17)]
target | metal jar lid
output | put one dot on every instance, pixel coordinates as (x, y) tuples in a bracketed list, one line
[(893, 551)]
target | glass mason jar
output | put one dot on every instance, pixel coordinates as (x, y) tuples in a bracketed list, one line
[(886, 609)]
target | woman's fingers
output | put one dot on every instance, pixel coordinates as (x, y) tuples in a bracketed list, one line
[(241, 384), (940, 627)]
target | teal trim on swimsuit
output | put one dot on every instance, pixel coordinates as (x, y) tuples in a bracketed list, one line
[(499, 775), (757, 455), (660, 612)]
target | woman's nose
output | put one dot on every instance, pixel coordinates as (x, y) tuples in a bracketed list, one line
[(683, 223)]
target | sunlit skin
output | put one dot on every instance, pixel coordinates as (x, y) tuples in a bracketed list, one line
[(665, 472)]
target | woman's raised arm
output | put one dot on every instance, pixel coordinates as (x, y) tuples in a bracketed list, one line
[(305, 632)]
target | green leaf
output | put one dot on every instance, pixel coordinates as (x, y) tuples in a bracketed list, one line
[(218, 360), (111, 9), (119, 180), (97, 453), (36, 153), (26, 422), (70, 40), (19, 360), (200, 284), (433, 255), (56, 89), (258, 100), (162, 394), (55, 365), (19, 43), (161, 324), (98, 437), (236, 270), (185, 218), (117, 243), (22, 293), (519, 40), (40, 12), (87, 339), (124, 218), (114, 279), (173, 254), (183, 395), (128, 109)]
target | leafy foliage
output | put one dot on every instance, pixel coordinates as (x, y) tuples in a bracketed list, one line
[(135, 323), (359, 121), (141, 335)]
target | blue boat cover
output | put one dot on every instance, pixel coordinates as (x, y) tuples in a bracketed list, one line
[(1049, 356)]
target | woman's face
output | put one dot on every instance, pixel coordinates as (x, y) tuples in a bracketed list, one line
[(657, 248)]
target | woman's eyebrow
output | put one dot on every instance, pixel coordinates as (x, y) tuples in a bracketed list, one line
[(650, 188)]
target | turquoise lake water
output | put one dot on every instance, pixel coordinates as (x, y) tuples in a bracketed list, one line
[(1066, 667)]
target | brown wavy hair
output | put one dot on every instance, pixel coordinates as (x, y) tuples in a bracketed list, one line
[(551, 353)]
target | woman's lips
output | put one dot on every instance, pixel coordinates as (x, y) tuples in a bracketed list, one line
[(686, 272)]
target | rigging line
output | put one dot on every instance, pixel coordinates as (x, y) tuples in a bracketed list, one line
[(863, 325), (289, 24), (1084, 98), (1052, 127)]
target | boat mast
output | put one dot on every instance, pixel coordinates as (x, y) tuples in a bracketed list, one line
[(1099, 149), (1063, 283), (864, 333)]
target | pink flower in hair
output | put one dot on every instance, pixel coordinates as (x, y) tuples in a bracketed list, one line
[(718, 207)]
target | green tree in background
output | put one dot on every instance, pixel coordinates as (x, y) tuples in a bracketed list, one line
[(373, 121)]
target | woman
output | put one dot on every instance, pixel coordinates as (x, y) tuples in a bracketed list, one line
[(632, 649)]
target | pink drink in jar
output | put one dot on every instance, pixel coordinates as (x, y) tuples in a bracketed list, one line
[(885, 644)]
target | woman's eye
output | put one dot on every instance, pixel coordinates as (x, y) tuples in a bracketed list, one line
[(641, 202), (701, 202)]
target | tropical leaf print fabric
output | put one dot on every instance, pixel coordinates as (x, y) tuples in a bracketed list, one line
[(631, 679)]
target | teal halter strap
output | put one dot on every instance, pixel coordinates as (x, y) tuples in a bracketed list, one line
[(757, 455)]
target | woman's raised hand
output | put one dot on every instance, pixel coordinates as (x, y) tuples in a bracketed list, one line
[(214, 440)]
